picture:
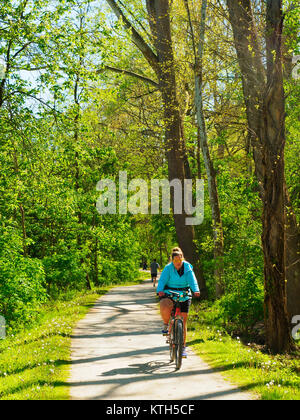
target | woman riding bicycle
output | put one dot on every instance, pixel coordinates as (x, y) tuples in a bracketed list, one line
[(177, 275)]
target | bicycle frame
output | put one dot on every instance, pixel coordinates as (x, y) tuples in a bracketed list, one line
[(175, 314)]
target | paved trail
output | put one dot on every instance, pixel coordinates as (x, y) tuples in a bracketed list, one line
[(118, 353)]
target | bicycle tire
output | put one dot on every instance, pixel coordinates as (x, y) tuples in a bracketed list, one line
[(178, 343), (172, 344)]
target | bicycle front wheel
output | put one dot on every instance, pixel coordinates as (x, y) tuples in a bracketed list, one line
[(172, 344), (178, 343)]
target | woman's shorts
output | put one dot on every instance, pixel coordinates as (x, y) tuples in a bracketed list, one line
[(184, 306)]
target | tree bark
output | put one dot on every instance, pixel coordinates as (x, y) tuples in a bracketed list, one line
[(273, 237), (198, 154)]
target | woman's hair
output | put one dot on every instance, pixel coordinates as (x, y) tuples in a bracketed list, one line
[(177, 252)]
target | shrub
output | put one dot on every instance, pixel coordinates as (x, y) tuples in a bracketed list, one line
[(22, 281), (64, 272), (242, 305)]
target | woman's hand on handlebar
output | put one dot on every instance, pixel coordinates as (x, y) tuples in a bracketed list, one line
[(197, 295), (161, 294)]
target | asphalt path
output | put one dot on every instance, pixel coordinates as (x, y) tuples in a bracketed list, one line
[(118, 353)]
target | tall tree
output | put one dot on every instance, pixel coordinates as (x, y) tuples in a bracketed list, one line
[(209, 167), (249, 53), (162, 63), (265, 103)]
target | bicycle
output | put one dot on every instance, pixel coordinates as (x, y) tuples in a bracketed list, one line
[(176, 329)]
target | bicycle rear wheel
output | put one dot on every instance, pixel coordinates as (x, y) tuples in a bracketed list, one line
[(178, 342)]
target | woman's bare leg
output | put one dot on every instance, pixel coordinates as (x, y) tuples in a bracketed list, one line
[(166, 306)]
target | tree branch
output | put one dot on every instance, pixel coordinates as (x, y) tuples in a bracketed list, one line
[(130, 73), (137, 39), (22, 49), (191, 27)]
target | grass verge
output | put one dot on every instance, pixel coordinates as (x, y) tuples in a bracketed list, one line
[(268, 377), (35, 363)]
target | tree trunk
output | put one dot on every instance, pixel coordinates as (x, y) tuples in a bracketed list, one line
[(213, 192), (210, 171), (198, 154), (276, 318), (160, 256), (254, 84), (162, 63), (273, 237), (159, 19), (266, 119)]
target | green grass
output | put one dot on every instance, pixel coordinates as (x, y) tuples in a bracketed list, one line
[(35, 363), (267, 377)]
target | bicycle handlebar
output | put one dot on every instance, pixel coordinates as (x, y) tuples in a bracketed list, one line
[(178, 295)]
